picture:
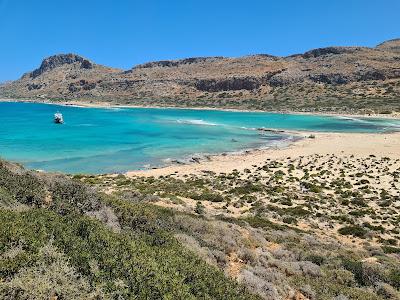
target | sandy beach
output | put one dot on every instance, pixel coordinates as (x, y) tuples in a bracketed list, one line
[(110, 105), (340, 144)]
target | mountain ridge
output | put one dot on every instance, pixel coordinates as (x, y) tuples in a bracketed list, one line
[(329, 78)]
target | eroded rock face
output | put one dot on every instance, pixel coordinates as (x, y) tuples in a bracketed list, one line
[(33, 86), (287, 77), (330, 78), (229, 84), (55, 61), (81, 84), (330, 51), (176, 63)]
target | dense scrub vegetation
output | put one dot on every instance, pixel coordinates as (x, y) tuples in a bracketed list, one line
[(134, 266), (50, 245)]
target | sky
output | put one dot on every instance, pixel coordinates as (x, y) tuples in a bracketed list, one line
[(123, 33)]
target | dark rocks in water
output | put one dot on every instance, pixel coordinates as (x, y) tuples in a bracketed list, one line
[(234, 140), (270, 130), (196, 159), (175, 161)]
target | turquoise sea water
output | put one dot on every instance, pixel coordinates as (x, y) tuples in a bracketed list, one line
[(96, 140)]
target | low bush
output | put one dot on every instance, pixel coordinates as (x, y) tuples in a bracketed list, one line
[(246, 189), (208, 196), (353, 230), (391, 249)]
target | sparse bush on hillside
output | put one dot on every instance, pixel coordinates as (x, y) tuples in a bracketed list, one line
[(49, 276), (354, 230)]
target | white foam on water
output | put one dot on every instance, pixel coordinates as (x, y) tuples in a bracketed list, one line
[(199, 122), (248, 128), (353, 119), (85, 125), (389, 124)]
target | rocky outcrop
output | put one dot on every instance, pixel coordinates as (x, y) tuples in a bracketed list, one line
[(391, 45), (330, 51), (55, 61), (330, 78), (373, 75), (34, 86), (229, 84), (176, 63), (81, 84), (287, 77)]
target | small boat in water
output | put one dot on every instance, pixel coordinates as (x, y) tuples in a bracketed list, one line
[(58, 118)]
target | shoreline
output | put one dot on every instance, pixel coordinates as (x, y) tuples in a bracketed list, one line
[(108, 105), (359, 145)]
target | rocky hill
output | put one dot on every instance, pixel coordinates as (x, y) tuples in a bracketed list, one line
[(332, 78)]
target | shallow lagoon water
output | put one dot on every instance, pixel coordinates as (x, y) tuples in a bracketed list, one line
[(105, 140)]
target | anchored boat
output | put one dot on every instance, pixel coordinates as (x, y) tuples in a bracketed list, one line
[(58, 118)]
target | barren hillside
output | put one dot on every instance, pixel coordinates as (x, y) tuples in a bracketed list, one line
[(332, 78)]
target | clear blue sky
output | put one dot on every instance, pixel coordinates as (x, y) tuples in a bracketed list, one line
[(123, 33)]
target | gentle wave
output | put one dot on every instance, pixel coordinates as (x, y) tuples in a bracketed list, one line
[(201, 122), (387, 124), (353, 119), (83, 125), (197, 122), (282, 142)]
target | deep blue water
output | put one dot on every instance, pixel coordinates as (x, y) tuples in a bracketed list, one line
[(96, 140)]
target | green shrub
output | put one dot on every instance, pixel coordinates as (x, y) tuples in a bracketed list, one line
[(353, 230), (316, 259), (391, 249), (394, 277), (23, 186), (289, 220), (199, 209), (248, 188), (208, 196), (6, 199), (110, 260)]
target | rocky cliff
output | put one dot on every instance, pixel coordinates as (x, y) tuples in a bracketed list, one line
[(332, 78)]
